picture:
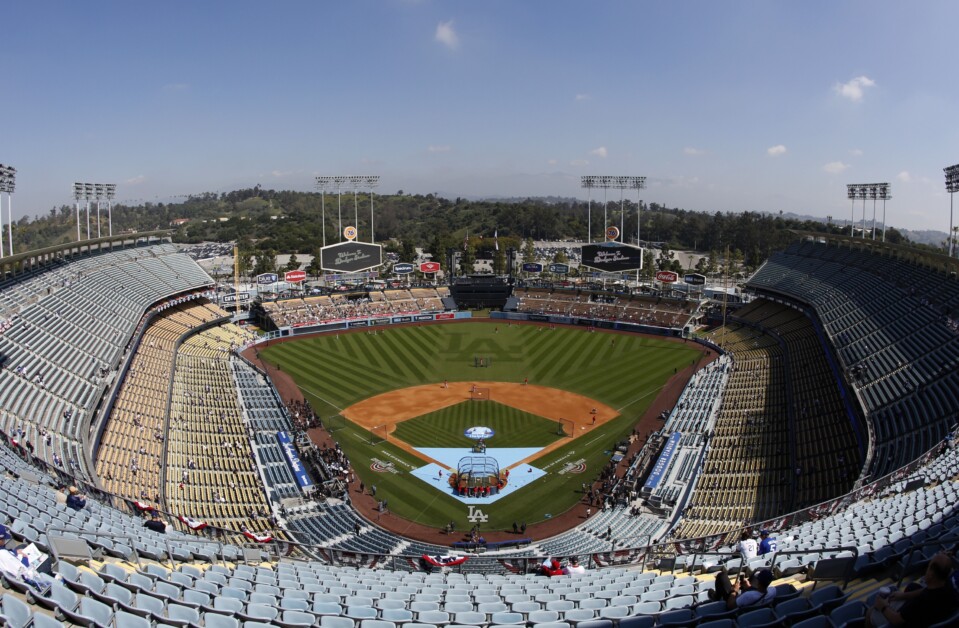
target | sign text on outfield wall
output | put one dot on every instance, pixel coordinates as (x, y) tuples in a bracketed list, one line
[(612, 257), (559, 269), (402, 268), (266, 278), (351, 257), (294, 276), (532, 267), (667, 276), (429, 267), (695, 279)]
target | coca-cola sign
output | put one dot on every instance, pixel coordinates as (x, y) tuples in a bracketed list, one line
[(667, 276)]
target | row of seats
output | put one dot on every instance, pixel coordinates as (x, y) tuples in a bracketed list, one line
[(318, 309), (637, 309)]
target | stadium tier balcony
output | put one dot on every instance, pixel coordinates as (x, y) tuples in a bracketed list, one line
[(894, 330)]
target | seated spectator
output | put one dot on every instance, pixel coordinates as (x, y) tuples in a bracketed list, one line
[(155, 523), (767, 544), (76, 499), (918, 605), (747, 546), (574, 568), (751, 593)]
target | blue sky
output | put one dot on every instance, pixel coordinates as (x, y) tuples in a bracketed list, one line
[(761, 105)]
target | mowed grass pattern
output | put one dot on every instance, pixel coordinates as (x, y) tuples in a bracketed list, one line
[(625, 372), (444, 428)]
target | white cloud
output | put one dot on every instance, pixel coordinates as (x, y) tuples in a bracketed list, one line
[(137, 180), (835, 167), (776, 151), (856, 152), (579, 162), (446, 35), (438, 149), (695, 152), (853, 90), (581, 97), (280, 174), (904, 176), (600, 152), (552, 162)]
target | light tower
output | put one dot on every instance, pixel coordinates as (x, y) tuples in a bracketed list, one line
[(589, 182), (851, 193), (638, 183), (8, 183), (77, 196), (952, 186), (322, 184), (110, 191), (370, 182)]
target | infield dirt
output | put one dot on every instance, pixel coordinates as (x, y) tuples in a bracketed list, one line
[(551, 403)]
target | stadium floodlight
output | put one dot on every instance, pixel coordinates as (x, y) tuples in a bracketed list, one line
[(606, 182), (8, 183), (78, 191), (355, 183), (589, 182), (638, 183), (952, 186), (883, 191), (370, 182), (851, 191), (323, 184), (338, 182), (110, 192)]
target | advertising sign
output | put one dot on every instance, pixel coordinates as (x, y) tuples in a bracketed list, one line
[(294, 276), (351, 257), (293, 461), (479, 433), (662, 463), (430, 267), (667, 276), (559, 269), (532, 267), (241, 297), (612, 257), (423, 317), (612, 232), (267, 278), (695, 279), (402, 268)]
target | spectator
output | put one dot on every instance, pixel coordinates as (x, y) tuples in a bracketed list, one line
[(75, 499), (751, 593), (155, 523), (747, 546), (767, 544), (919, 605), (574, 568)]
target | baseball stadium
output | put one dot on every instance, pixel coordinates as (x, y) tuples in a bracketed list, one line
[(474, 451)]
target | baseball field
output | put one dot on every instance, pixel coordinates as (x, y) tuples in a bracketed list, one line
[(565, 395)]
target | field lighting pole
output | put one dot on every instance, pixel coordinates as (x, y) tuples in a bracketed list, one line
[(322, 183), (88, 194), (77, 195), (8, 182), (371, 182), (952, 186), (851, 195), (638, 183), (338, 182), (884, 195), (589, 183), (356, 182), (110, 191), (97, 195)]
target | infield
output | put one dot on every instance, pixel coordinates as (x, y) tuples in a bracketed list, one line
[(620, 375)]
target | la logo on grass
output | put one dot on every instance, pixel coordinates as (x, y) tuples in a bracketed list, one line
[(477, 516)]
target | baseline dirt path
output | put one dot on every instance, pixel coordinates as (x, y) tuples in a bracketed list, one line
[(365, 505), (401, 405)]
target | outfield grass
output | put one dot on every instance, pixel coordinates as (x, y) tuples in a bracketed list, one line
[(625, 372), (445, 427)]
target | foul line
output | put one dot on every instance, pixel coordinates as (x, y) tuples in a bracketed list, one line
[(640, 398), (327, 402)]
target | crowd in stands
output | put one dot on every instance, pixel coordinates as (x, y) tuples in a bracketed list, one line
[(319, 309), (638, 309)]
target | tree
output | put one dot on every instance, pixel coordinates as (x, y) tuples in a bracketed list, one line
[(313, 268), (560, 257), (467, 259), (293, 264), (529, 251), (499, 262), (265, 262), (408, 251), (245, 262)]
